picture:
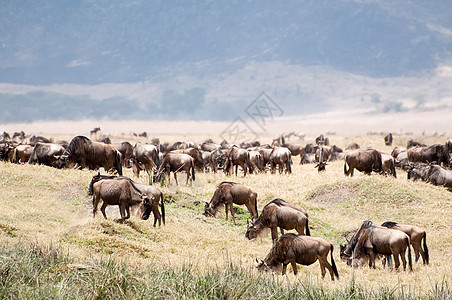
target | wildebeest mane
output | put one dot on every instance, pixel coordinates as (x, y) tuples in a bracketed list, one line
[(389, 224), (75, 143), (99, 177), (357, 236)]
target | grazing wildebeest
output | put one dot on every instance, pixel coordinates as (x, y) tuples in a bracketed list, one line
[(256, 161), (122, 193), (413, 143), (176, 162), (278, 213), (388, 165), (237, 157), (322, 155), (22, 153), (396, 151), (321, 140), (281, 157), (126, 150), (388, 139), (305, 250), (307, 158), (229, 193), (371, 240), (265, 152), (153, 193), (431, 154), (145, 157), (434, 174), (86, 153), (46, 154), (39, 139), (7, 151), (352, 146), (363, 160), (416, 235)]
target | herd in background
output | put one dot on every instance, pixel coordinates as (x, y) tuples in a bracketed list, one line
[(158, 160)]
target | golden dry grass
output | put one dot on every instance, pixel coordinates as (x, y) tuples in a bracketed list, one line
[(47, 205)]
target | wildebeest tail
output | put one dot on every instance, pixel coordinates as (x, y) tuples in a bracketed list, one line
[(345, 168), (410, 261), (393, 171), (255, 208), (192, 170), (163, 208), (289, 168), (307, 228), (425, 248), (118, 165), (333, 264)]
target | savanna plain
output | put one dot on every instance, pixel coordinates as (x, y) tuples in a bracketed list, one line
[(51, 247)]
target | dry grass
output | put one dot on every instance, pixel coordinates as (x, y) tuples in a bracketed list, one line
[(47, 205)]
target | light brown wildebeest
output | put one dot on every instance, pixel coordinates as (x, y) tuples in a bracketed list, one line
[(145, 157), (176, 162), (388, 165), (416, 235), (430, 154), (218, 159), (371, 240), (126, 150), (256, 162), (299, 249), (229, 193), (46, 154), (363, 160), (22, 154), (153, 193), (281, 157), (122, 193), (195, 153), (237, 157), (278, 213)]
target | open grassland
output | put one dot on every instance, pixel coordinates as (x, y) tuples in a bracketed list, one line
[(52, 247)]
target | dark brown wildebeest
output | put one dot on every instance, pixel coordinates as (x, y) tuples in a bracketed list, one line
[(431, 154), (352, 146), (322, 155), (299, 249), (371, 240), (195, 153), (388, 139), (229, 193), (209, 146), (413, 143), (281, 157), (145, 157), (7, 151), (122, 193), (416, 235), (278, 213), (307, 158), (321, 140), (265, 152), (363, 160), (237, 157), (388, 165), (86, 153), (39, 139), (433, 174), (153, 193), (126, 150), (176, 162), (46, 154), (396, 151), (256, 162), (94, 131)]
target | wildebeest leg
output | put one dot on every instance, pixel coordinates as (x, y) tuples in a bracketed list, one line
[(371, 259), (323, 263), (175, 178), (274, 231), (396, 260), (417, 252), (402, 256), (96, 200), (122, 211), (127, 212), (294, 267), (157, 215), (284, 268), (231, 207), (102, 209)]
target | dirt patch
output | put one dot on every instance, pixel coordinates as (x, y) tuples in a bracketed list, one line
[(332, 195), (71, 192)]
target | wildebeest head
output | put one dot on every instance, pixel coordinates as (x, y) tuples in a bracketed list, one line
[(262, 266), (251, 231), (61, 161), (146, 207), (210, 209)]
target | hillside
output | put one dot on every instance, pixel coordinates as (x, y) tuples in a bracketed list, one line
[(46, 217)]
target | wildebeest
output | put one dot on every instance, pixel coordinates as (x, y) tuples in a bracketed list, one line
[(371, 240), (396, 151), (363, 160), (388, 165), (22, 153), (281, 157), (126, 150), (352, 146), (431, 154), (6, 151), (218, 159), (153, 193), (321, 140), (195, 153), (307, 158), (237, 157), (86, 153), (229, 193), (145, 157), (278, 213), (413, 143), (322, 155), (299, 249), (176, 162), (122, 193), (46, 154), (256, 161), (433, 174), (388, 139), (416, 235), (265, 153)]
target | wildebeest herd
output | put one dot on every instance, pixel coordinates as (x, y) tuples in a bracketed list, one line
[(158, 160)]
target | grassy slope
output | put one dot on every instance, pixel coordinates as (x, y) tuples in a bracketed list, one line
[(48, 206)]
